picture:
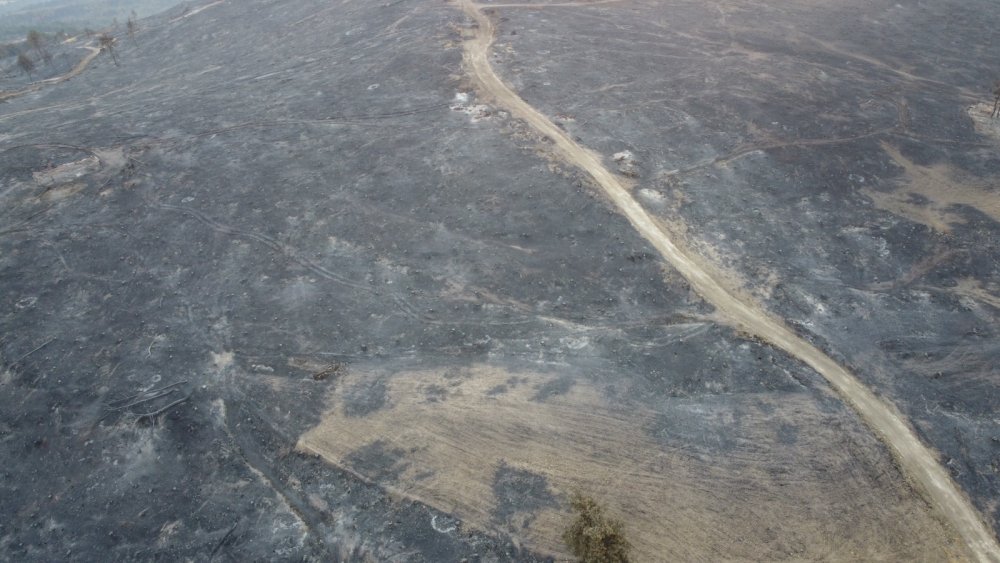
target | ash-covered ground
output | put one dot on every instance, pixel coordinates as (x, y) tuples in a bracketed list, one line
[(837, 158), (283, 286)]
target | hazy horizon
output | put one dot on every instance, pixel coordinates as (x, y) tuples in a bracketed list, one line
[(50, 16)]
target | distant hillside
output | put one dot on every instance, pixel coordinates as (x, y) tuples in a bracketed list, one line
[(19, 16)]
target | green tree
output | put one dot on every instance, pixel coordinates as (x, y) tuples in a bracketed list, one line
[(593, 536)]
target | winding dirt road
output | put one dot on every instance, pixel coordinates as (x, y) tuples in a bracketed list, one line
[(918, 461), (85, 62), (35, 86)]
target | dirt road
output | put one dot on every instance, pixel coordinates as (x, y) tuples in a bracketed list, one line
[(918, 461), (35, 86)]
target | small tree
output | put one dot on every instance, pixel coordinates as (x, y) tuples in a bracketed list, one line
[(36, 41), (107, 43), (594, 537), (133, 27), (26, 64)]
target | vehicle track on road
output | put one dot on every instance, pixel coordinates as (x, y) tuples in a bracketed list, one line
[(918, 462)]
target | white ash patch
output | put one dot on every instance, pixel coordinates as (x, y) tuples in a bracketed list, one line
[(623, 156), (627, 164), (221, 361), (652, 196), (477, 112), (815, 304), (982, 118), (574, 343), (446, 526)]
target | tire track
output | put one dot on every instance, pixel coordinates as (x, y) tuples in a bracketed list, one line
[(917, 461)]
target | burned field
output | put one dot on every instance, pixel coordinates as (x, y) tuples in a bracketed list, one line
[(288, 283)]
